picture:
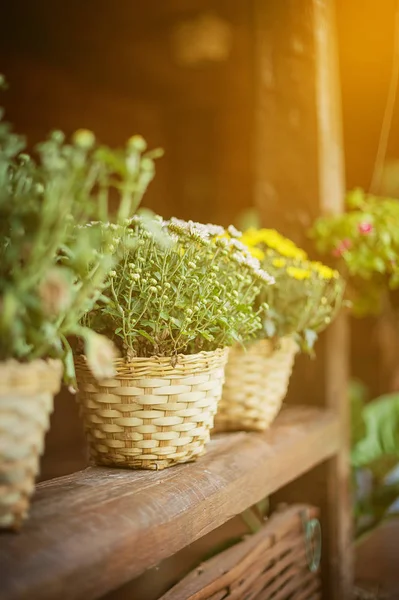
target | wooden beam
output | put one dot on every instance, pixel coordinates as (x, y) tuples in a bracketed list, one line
[(299, 174), (92, 531)]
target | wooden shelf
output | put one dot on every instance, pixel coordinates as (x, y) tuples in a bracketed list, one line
[(92, 531)]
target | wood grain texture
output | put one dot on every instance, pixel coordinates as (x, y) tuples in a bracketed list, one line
[(92, 531), (299, 165), (331, 179)]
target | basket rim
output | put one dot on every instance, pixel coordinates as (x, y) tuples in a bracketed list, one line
[(35, 376), (285, 343), (138, 366)]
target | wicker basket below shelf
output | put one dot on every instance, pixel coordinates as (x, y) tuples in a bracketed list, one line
[(152, 414), (271, 564), (256, 384), (26, 402)]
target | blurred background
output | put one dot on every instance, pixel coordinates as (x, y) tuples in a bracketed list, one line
[(182, 74), (185, 75)]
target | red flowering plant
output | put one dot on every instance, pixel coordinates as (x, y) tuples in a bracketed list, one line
[(364, 244)]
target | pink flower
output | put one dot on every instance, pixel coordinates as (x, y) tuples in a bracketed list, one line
[(365, 228), (344, 245)]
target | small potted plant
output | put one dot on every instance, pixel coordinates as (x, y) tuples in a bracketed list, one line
[(179, 296), (303, 301), (52, 270), (364, 244)]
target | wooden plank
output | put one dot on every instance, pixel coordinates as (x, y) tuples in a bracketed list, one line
[(92, 531)]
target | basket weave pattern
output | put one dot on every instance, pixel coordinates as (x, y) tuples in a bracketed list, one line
[(152, 414), (256, 384), (271, 564), (26, 401)]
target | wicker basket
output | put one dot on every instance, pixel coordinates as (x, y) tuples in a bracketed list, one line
[(152, 414), (256, 384), (26, 401), (279, 562)]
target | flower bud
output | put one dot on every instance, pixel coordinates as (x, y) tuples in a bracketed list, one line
[(84, 138)]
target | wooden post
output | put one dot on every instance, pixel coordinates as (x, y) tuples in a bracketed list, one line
[(298, 175)]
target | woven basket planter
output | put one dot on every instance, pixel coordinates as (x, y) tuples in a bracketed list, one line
[(152, 414), (256, 384), (26, 402), (279, 562)]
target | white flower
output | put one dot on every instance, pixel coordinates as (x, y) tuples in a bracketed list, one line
[(101, 354), (238, 258), (252, 262), (214, 229), (238, 245), (234, 232), (198, 232), (265, 277)]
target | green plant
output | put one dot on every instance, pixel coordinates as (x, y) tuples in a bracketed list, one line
[(364, 243), (179, 287), (306, 295), (52, 269), (375, 453)]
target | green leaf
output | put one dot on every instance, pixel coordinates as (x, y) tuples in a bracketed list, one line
[(69, 365), (381, 440), (176, 321), (146, 335), (207, 336)]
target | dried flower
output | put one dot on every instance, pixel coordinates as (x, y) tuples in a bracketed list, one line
[(101, 354), (55, 292)]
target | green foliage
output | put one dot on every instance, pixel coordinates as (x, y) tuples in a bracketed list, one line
[(364, 241), (178, 288), (375, 453), (380, 444), (52, 270)]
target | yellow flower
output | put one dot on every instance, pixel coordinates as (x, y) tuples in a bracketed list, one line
[(298, 273), (256, 252), (272, 239), (279, 263), (323, 271)]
